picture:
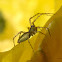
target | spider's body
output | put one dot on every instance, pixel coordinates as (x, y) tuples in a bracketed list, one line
[(32, 31), (24, 37)]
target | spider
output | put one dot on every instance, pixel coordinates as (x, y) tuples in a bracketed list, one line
[(32, 30)]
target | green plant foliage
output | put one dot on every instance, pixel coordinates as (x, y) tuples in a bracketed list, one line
[(2, 23)]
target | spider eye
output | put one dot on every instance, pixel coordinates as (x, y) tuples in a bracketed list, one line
[(32, 26)]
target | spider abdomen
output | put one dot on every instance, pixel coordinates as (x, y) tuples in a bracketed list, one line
[(24, 37)]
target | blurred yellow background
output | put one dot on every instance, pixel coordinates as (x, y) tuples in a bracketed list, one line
[(16, 14)]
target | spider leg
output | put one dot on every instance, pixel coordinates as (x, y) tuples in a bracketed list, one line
[(40, 15), (28, 28), (37, 17), (16, 36), (41, 32), (46, 28), (30, 45), (32, 17)]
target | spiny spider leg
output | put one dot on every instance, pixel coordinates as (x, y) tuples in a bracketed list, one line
[(46, 28), (16, 36)]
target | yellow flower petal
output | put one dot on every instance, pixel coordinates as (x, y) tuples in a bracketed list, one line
[(50, 47)]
